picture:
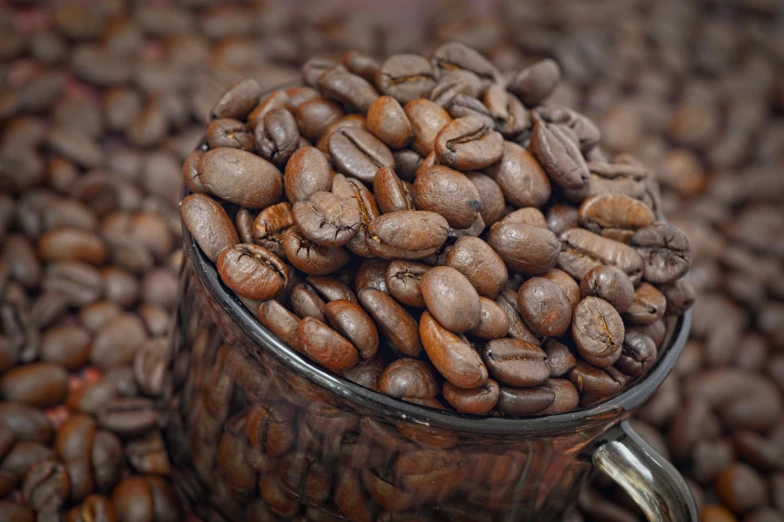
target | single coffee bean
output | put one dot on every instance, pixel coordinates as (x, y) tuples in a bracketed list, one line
[(46, 485), (515, 362), (558, 154), (468, 143), (507, 300), (351, 90), (360, 64), (536, 82), (276, 137), (611, 284), (231, 133), (511, 118), (559, 358), (544, 307), (665, 250), (38, 384), (493, 322), (451, 299), (133, 500), (387, 121), (350, 320), (405, 77), (638, 354), (567, 284), (325, 346), (527, 216), (427, 119), (449, 193), (741, 488), (75, 437), (241, 177), (680, 296), (453, 357), (521, 402), (390, 193), (583, 250), (396, 323), (305, 302), (238, 100), (209, 224), (252, 271), (350, 120), (567, 398), (480, 264), (477, 401), (615, 216), (24, 455), (598, 331), (525, 249), (492, 206), (307, 171), (128, 416), (456, 58), (403, 281), (315, 116), (71, 244), (411, 234), (409, 378), (331, 289), (116, 343), (462, 106), (310, 257), (66, 345), (358, 153), (269, 226), (355, 191), (594, 381), (648, 306)]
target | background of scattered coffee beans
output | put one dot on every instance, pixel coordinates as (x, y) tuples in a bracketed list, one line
[(101, 102)]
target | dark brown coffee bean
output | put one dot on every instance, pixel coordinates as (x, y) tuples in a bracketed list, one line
[(351, 90), (680, 296), (372, 274), (315, 116), (66, 345), (279, 320), (536, 82), (666, 252), (493, 322), (559, 358), (241, 177), (46, 485), (477, 401), (133, 500), (525, 249), (521, 402), (741, 488), (559, 156), (561, 218), (350, 320), (403, 281), (360, 64), (507, 300), (598, 331), (611, 284), (511, 118), (583, 250), (457, 59), (468, 144), (25, 422), (567, 284), (326, 219), (405, 77), (149, 366), (648, 306), (331, 289), (116, 343), (210, 225), (231, 133), (388, 122), (305, 302), (396, 323), (427, 119), (638, 354), (593, 381), (492, 205), (356, 192), (312, 258), (449, 193), (325, 346), (238, 100), (23, 455), (252, 271), (515, 362), (544, 307), (71, 244), (390, 193), (451, 298), (24, 266), (276, 137), (38, 384), (269, 226), (412, 234), (615, 216), (453, 357), (409, 378), (358, 153)]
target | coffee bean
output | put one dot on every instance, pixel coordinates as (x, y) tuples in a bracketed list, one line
[(593, 381), (390, 193), (46, 485), (396, 323), (238, 100), (598, 331), (230, 133), (493, 322), (647, 307), (558, 154), (427, 119), (351, 90), (210, 225), (521, 402), (315, 116), (455, 58), (411, 234), (66, 345), (544, 306), (350, 320), (478, 401), (387, 121), (583, 250), (451, 299), (116, 343), (453, 357), (241, 177), (276, 137), (449, 193), (468, 143), (567, 284), (326, 219), (409, 378), (307, 171), (611, 284), (133, 500), (310, 257), (325, 346), (741, 488), (535, 83), (527, 216), (666, 252), (358, 153), (525, 249), (38, 384), (507, 300), (559, 358), (70, 244), (269, 225), (360, 64)]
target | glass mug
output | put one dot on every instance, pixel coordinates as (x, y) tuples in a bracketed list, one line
[(259, 432)]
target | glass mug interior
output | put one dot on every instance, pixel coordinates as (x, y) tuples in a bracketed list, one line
[(258, 432)]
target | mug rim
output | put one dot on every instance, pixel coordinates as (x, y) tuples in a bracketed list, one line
[(257, 335)]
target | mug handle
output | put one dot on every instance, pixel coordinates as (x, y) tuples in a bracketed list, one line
[(652, 482)]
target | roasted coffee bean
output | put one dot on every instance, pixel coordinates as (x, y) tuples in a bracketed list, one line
[(559, 358), (38, 384), (680, 296), (326, 219), (310, 257), (648, 306), (128, 416), (492, 205), (403, 282), (493, 322), (241, 177), (457, 59), (269, 226), (350, 320), (527, 216), (358, 153), (253, 271), (511, 118), (665, 250), (535, 83), (71, 244), (409, 378), (463, 106), (614, 216), (507, 300), (453, 357), (305, 302), (544, 307), (567, 284), (468, 143), (411, 234), (525, 249), (480, 264), (516, 363), (351, 90), (449, 193), (307, 172), (325, 346), (478, 401), (387, 121), (521, 402), (46, 485), (133, 500), (66, 345), (451, 298), (637, 355), (276, 137), (741, 488), (390, 193), (405, 77), (331, 289), (611, 284), (353, 190), (238, 100), (227, 132), (583, 250), (598, 331), (559, 156), (210, 225), (315, 116), (594, 381), (427, 119), (24, 455), (361, 64), (396, 323), (116, 343)]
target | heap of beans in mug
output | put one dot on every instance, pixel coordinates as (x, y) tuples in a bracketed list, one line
[(433, 229)]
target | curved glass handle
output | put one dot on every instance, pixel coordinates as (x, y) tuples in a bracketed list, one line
[(653, 483)]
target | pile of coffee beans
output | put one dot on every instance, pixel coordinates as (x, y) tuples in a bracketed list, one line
[(447, 225)]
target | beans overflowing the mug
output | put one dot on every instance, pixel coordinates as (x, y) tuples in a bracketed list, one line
[(440, 220)]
